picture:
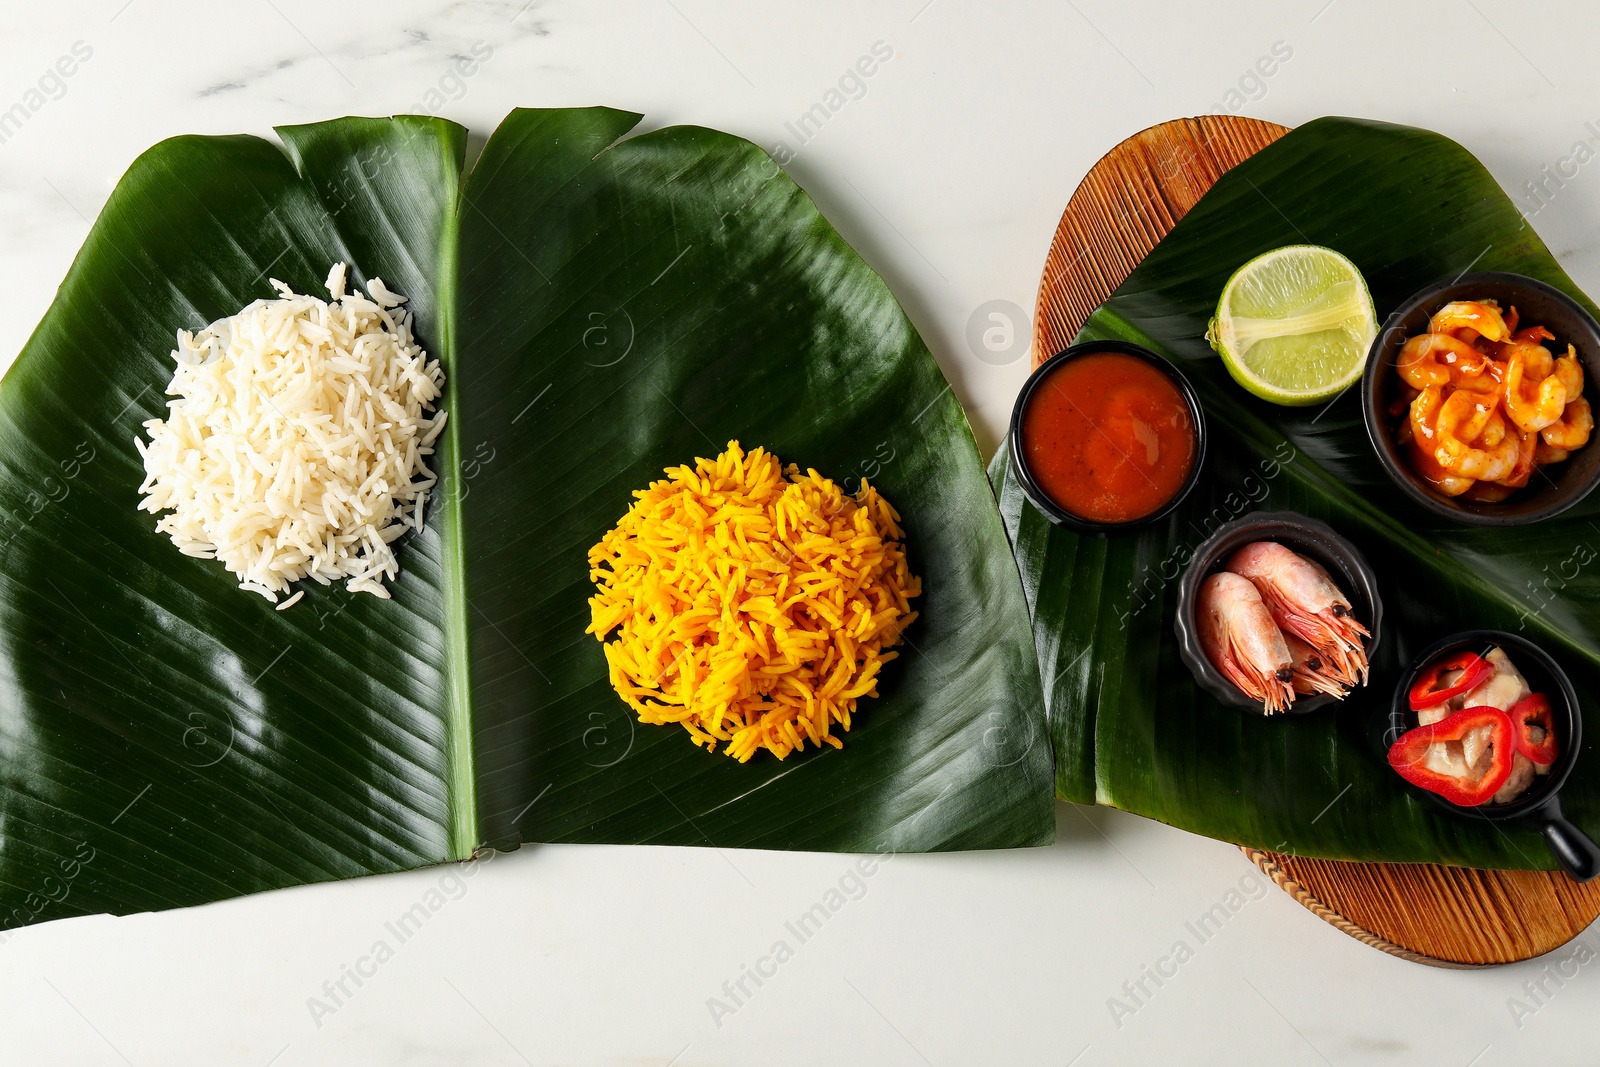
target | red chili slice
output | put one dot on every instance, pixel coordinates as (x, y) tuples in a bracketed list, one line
[(1426, 691), (1529, 714), (1407, 755)]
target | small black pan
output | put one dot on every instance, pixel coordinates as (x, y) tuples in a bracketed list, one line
[(1539, 806)]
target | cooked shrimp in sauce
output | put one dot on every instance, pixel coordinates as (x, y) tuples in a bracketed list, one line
[(1485, 403)]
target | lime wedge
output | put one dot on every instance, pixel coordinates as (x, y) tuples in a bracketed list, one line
[(1294, 325)]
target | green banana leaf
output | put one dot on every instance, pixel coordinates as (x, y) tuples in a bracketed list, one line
[(1131, 729), (604, 307)]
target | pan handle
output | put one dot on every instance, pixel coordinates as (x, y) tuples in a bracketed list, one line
[(1572, 848)]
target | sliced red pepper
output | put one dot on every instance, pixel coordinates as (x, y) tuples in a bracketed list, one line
[(1426, 691), (1408, 755), (1530, 713)]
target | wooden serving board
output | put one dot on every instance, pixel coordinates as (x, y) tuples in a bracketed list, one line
[(1444, 916)]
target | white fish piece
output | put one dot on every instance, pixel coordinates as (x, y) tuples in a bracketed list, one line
[(1502, 689)]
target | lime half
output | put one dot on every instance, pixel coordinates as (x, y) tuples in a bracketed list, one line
[(1294, 325)]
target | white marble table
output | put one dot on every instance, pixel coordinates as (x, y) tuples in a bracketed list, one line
[(948, 173)]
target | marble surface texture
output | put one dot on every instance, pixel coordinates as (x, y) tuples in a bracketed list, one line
[(948, 172)]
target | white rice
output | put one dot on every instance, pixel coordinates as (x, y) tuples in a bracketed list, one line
[(297, 445)]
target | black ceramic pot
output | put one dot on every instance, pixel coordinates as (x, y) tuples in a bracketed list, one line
[(1019, 459), (1553, 489), (1316, 541)]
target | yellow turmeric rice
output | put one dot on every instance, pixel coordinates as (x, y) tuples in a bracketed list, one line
[(752, 605)]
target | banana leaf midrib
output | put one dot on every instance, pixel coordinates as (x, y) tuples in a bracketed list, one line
[(461, 795), (465, 832)]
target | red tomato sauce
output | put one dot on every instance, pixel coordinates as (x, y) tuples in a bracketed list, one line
[(1108, 437)]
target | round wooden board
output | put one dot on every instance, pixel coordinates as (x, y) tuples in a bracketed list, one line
[(1444, 916)]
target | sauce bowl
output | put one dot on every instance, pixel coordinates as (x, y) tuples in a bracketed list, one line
[(1019, 460)]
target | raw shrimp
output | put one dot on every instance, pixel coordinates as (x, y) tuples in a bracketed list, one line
[(1535, 408), (1464, 757), (1482, 317), (1240, 639), (1572, 429), (1305, 602)]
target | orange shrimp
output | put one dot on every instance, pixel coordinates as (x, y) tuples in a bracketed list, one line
[(1572, 430), (1537, 362), (1570, 371), (1424, 414), (1439, 359), (1428, 468), (1533, 409), (1527, 456), (1481, 316), (1494, 431), (1463, 417), (1544, 453)]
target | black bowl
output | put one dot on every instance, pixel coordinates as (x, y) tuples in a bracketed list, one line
[(1019, 463), (1314, 540), (1539, 805), (1554, 489)]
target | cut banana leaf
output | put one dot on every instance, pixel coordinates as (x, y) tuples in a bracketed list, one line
[(1131, 729), (168, 739), (626, 306)]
